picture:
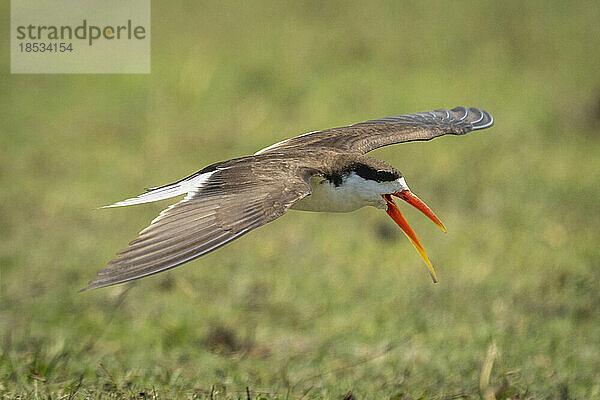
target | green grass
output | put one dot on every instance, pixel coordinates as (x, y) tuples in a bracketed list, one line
[(313, 306)]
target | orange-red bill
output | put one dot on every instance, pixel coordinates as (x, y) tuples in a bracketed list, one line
[(416, 202), (396, 215)]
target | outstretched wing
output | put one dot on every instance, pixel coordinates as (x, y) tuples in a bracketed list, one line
[(223, 203), (366, 136)]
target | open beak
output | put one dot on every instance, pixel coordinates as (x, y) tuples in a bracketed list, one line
[(397, 216)]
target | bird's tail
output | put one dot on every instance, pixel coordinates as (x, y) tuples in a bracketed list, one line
[(184, 186)]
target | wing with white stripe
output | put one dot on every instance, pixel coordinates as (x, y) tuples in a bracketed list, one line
[(229, 203)]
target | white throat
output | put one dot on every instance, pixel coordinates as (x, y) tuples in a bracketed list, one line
[(353, 193)]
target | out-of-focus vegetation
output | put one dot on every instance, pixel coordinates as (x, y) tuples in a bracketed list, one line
[(314, 305)]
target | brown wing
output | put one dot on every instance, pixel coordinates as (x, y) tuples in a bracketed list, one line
[(236, 197), (366, 136)]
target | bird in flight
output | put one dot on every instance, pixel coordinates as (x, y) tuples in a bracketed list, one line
[(322, 171)]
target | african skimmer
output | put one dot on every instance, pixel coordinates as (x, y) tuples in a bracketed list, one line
[(323, 171)]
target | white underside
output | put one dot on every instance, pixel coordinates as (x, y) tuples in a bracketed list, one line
[(354, 193)]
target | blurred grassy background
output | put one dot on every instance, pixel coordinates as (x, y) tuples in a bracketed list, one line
[(314, 306)]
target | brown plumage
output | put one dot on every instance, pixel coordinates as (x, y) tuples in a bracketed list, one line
[(228, 199)]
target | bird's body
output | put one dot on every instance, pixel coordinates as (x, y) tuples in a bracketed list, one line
[(323, 171), (354, 193)]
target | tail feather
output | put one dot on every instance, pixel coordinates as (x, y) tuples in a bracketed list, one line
[(165, 192)]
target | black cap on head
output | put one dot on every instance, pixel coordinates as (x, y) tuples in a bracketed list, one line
[(384, 173)]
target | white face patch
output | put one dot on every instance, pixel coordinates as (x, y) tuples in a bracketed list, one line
[(402, 184)]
